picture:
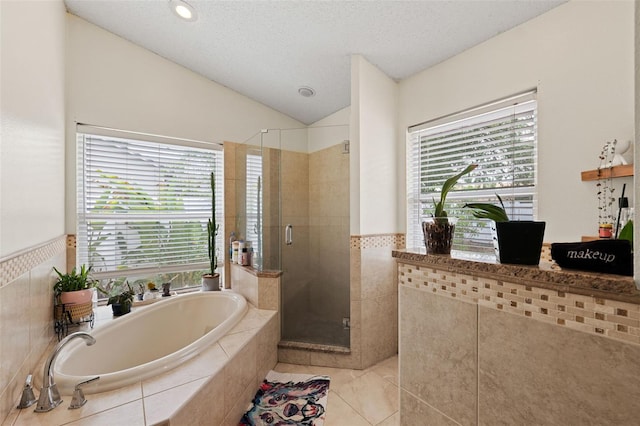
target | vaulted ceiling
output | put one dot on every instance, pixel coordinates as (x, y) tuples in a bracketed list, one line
[(267, 50)]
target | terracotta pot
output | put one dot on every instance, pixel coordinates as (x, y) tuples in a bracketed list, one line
[(76, 297)]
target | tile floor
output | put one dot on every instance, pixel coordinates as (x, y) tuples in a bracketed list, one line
[(358, 397)]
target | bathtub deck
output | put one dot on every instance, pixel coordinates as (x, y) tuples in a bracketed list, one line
[(215, 387)]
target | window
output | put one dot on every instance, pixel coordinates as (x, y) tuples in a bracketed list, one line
[(254, 205), (143, 207), (501, 138)]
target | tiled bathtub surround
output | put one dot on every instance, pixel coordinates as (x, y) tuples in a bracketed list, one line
[(215, 387), (26, 306), (477, 348)]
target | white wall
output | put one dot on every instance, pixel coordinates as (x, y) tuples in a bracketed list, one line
[(329, 131), (115, 83), (580, 57), (32, 124), (374, 165)]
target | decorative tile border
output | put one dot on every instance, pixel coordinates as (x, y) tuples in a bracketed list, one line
[(20, 263), (361, 242), (603, 317)]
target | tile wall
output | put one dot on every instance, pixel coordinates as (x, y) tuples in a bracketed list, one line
[(26, 315), (315, 201), (329, 232), (296, 263), (482, 351)]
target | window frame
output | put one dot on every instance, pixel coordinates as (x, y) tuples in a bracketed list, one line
[(188, 270), (473, 235)]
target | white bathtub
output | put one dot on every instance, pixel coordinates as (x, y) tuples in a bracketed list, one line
[(148, 342)]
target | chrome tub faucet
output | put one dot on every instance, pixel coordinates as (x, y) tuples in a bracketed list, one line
[(49, 395)]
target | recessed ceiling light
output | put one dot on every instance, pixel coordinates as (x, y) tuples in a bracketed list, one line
[(306, 91), (183, 9)]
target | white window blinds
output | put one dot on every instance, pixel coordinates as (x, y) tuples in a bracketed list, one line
[(254, 204), (143, 206), (501, 139)]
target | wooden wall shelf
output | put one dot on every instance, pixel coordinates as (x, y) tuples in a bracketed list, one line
[(616, 171)]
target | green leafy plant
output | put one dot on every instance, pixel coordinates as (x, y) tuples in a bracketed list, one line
[(119, 294), (439, 211), (73, 281), (627, 232), (489, 211), (212, 229)]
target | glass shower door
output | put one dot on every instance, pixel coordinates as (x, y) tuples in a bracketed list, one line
[(314, 201)]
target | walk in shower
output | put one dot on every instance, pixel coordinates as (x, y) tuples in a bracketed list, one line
[(296, 213)]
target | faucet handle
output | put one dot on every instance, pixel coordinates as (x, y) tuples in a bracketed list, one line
[(28, 398), (78, 399)]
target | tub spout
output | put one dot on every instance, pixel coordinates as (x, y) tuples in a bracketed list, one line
[(49, 395)]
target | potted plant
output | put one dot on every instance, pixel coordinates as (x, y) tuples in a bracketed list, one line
[(153, 291), (140, 293), (120, 298), (211, 280), (438, 230), (74, 287), (515, 241)]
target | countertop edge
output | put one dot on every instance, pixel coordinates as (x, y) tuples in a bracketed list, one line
[(546, 275)]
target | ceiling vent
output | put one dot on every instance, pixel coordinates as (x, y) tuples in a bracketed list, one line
[(307, 92)]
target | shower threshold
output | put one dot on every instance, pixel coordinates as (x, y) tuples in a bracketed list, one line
[(316, 347)]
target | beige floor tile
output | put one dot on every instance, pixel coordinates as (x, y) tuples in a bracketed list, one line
[(338, 376), (339, 413), (358, 397), (373, 397), (387, 369), (394, 420)]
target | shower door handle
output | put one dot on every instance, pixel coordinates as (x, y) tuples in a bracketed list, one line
[(288, 234)]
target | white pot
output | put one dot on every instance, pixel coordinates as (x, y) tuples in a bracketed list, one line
[(211, 282)]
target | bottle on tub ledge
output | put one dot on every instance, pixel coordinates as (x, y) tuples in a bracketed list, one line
[(234, 253), (232, 238), (245, 257)]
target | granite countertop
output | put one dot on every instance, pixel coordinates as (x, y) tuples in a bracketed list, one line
[(546, 275), (260, 273)]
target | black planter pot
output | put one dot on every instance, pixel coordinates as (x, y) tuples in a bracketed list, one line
[(519, 242), (120, 309)]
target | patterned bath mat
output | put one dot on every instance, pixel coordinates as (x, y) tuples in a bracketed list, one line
[(288, 399)]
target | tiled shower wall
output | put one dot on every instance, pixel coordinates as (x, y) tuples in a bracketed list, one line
[(315, 201), (296, 282), (26, 315), (329, 232), (373, 305)]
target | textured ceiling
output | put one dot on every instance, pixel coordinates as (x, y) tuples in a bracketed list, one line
[(266, 50)]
